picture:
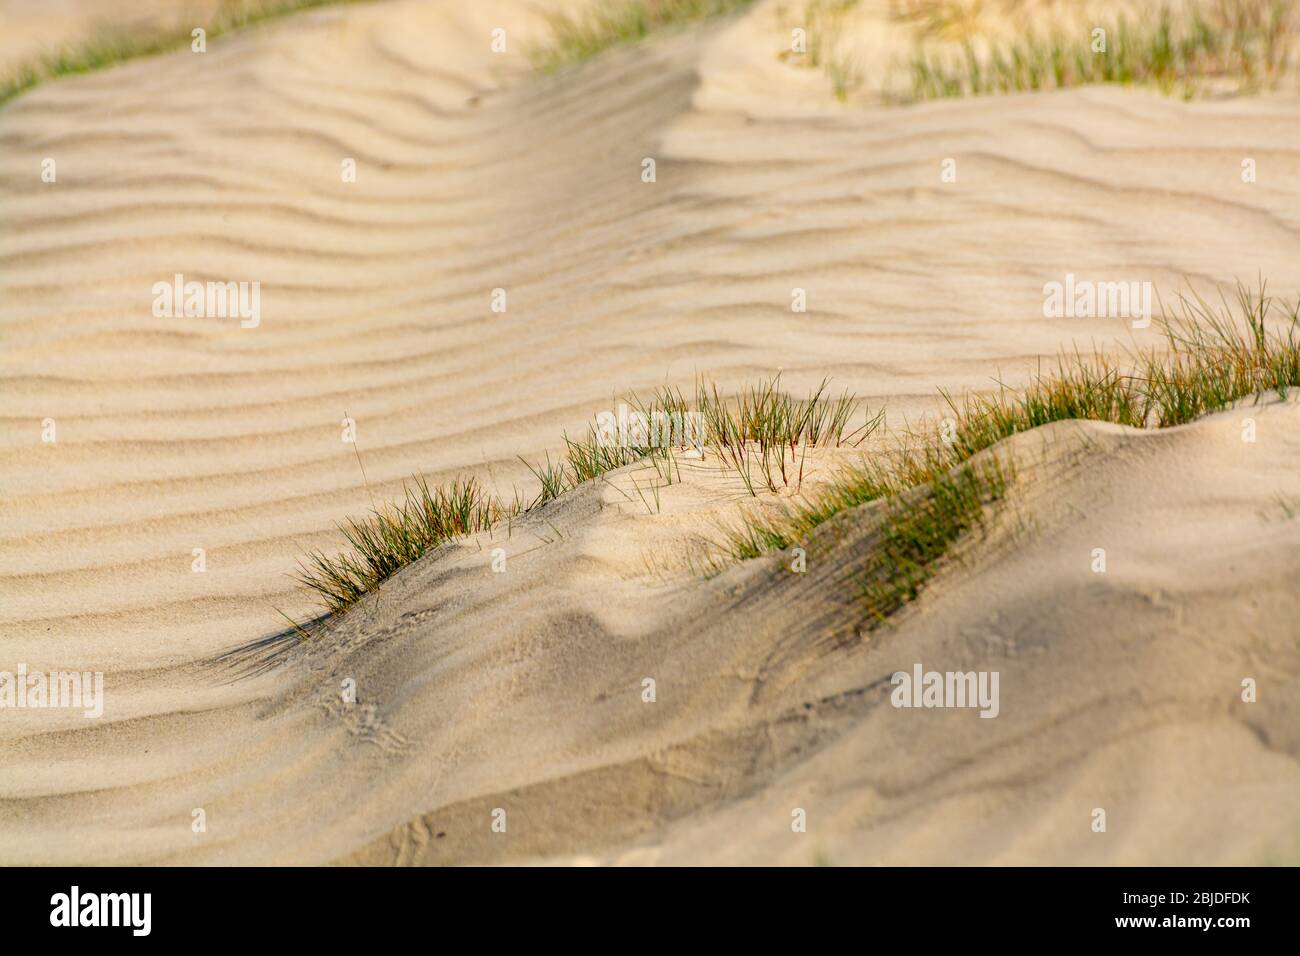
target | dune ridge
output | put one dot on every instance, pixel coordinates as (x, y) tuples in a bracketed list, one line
[(476, 174)]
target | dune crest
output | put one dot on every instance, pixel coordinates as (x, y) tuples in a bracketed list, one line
[(184, 442)]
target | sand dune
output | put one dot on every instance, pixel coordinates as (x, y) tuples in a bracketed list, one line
[(522, 691), (32, 28)]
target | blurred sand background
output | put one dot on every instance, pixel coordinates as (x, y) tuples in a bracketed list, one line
[(522, 690)]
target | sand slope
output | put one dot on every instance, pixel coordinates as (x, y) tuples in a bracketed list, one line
[(522, 690), (31, 28)]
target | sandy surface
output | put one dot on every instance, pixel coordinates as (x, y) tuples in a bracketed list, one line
[(523, 690), (32, 28)]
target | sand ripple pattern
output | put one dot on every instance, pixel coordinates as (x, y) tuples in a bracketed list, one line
[(473, 175)]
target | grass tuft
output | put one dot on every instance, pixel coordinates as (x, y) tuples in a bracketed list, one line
[(579, 37), (920, 528), (116, 44), (394, 536), (935, 491), (1214, 356), (1236, 46), (762, 430)]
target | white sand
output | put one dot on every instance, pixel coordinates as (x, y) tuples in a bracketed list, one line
[(523, 690)]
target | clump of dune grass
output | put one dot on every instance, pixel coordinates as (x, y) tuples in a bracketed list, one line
[(919, 529), (845, 75), (943, 18), (760, 431), (1214, 356), (822, 23), (394, 536), (1234, 46), (578, 37), (112, 45)]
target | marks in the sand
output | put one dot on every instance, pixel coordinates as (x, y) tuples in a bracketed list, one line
[(180, 434)]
